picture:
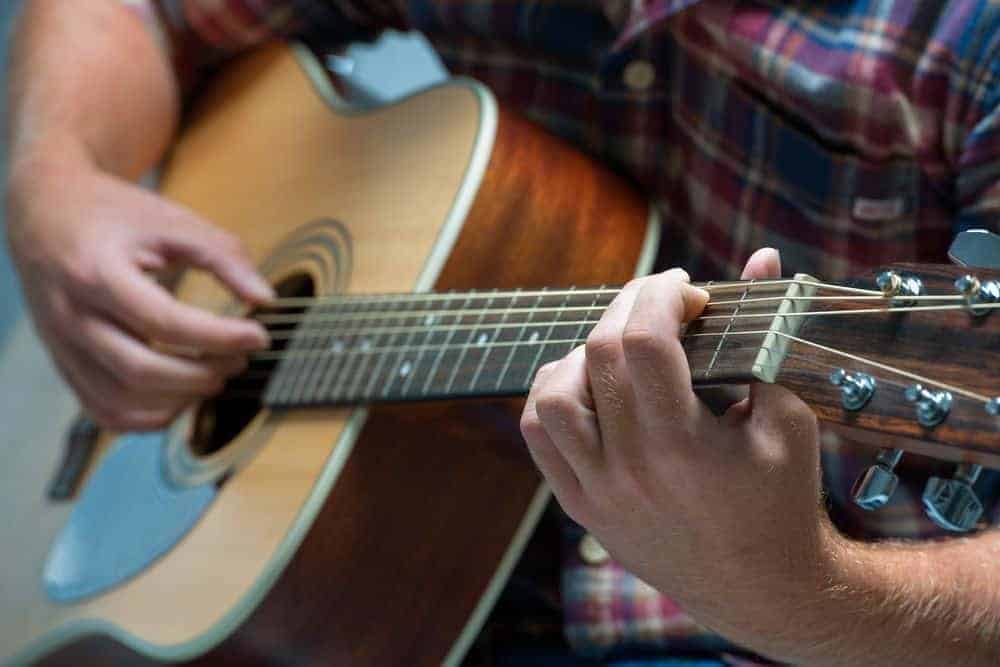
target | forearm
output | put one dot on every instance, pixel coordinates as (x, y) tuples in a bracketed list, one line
[(898, 603), (89, 79)]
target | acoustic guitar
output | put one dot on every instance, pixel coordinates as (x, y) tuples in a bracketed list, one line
[(344, 501)]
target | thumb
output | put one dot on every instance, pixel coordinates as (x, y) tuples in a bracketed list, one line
[(764, 263)]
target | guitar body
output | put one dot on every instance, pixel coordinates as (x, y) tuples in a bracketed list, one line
[(338, 536)]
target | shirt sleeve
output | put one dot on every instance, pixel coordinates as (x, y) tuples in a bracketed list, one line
[(202, 33)]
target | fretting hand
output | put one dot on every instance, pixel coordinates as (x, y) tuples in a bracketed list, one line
[(721, 513)]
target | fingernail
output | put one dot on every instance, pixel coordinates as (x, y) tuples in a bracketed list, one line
[(263, 288), (261, 339), (681, 274), (702, 292)]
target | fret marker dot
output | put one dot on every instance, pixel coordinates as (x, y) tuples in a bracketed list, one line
[(430, 319), (366, 345), (405, 369), (533, 338), (482, 339), (338, 346)]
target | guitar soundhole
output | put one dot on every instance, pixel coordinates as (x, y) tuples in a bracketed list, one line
[(221, 419)]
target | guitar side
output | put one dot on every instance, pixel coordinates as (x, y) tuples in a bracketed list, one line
[(371, 536)]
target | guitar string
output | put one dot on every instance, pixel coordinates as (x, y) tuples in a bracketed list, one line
[(247, 392), (284, 319), (761, 332), (275, 355), (732, 355), (307, 331), (297, 302), (429, 298)]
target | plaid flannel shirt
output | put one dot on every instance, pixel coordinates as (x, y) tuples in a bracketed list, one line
[(845, 134)]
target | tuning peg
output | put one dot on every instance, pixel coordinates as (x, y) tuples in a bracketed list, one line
[(952, 503), (932, 406), (993, 406), (898, 286), (977, 293), (875, 486), (855, 390)]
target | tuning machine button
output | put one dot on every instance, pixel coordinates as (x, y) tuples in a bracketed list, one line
[(952, 503), (855, 390), (993, 406), (932, 406), (898, 286), (978, 294), (875, 486)]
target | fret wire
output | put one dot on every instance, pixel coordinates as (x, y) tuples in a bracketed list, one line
[(324, 336), (533, 368), (335, 372), (312, 340), (519, 339), (729, 326), (396, 368), (358, 372), (482, 362), (580, 332), (290, 372), (440, 355), (380, 364), (465, 349), (422, 345)]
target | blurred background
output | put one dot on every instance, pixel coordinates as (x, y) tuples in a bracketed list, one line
[(10, 295)]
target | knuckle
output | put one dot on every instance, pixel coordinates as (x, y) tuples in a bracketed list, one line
[(556, 407), (531, 426), (640, 343), (603, 346)]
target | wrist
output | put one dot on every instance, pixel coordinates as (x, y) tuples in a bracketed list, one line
[(797, 608)]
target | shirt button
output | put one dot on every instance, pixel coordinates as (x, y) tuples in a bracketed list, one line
[(592, 552), (639, 75)]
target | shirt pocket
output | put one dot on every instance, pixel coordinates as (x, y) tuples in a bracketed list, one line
[(831, 210)]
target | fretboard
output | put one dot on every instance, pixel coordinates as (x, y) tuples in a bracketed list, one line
[(411, 347)]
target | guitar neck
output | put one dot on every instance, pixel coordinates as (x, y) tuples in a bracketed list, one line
[(414, 347)]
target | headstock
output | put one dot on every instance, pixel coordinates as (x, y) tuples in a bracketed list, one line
[(921, 376), (905, 358), (918, 368)]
